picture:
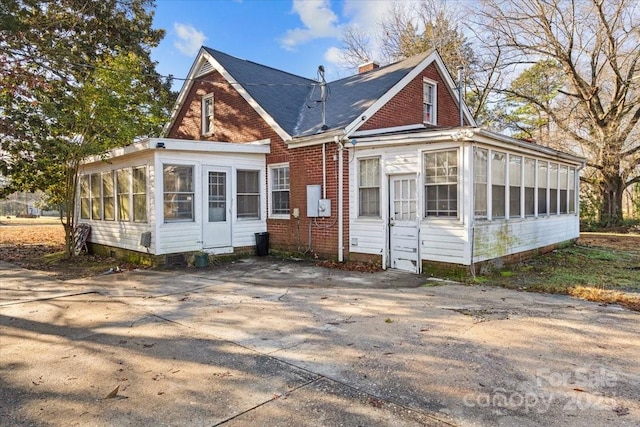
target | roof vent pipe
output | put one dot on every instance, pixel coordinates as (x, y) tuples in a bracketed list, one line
[(460, 93), (323, 96)]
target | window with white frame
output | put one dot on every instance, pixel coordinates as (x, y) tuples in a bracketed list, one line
[(562, 187), (123, 191), (139, 193), (85, 200), (441, 183), (279, 185), (515, 185), (178, 193), (369, 187), (429, 101), (480, 168), (207, 114), (543, 168), (553, 188), (248, 194), (108, 199), (498, 184), (572, 190), (96, 196), (529, 187)]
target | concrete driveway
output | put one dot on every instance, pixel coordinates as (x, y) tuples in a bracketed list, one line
[(271, 342)]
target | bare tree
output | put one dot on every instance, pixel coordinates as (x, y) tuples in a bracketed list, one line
[(596, 44), (356, 46)]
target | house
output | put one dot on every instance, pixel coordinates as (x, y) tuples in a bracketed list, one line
[(386, 165)]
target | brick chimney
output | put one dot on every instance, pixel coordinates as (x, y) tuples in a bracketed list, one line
[(368, 66)]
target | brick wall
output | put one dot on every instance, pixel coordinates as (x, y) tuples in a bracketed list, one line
[(406, 107)]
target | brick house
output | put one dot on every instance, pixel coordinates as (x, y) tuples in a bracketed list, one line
[(384, 165)]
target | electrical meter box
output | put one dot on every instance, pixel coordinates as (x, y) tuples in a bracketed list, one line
[(313, 199), (324, 207)]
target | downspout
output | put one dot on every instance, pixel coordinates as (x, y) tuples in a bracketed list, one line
[(340, 199), (460, 90), (324, 170)]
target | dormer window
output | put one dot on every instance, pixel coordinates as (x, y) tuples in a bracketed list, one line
[(429, 102), (207, 114)]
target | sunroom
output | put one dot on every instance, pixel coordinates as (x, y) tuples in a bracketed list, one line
[(168, 196), (458, 196)]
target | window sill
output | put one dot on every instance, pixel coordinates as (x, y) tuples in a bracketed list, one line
[(280, 216)]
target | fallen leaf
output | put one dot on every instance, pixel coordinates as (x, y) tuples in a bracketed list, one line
[(621, 411), (160, 393), (148, 345), (113, 393), (578, 389)]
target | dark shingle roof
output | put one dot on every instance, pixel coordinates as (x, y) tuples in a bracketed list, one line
[(290, 99)]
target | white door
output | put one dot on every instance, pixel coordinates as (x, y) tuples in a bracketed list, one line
[(216, 230), (403, 223)]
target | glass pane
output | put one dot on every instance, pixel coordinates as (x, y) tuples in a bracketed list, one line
[(498, 168), (140, 180), (123, 207), (515, 170), (178, 206), (217, 196), (529, 172), (178, 179), (122, 181), (140, 207)]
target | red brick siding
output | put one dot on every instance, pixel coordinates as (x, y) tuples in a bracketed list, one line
[(406, 107), (306, 169), (236, 121)]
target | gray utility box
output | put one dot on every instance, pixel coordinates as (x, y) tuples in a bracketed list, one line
[(317, 207)]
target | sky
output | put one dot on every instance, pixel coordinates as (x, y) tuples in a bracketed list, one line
[(291, 35)]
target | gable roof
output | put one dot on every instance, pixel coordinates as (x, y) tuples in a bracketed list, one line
[(288, 103)]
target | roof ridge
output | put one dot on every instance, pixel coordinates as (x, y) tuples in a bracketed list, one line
[(386, 66), (211, 51)]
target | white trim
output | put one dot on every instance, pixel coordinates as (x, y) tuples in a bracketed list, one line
[(434, 101), (388, 130), (197, 65), (241, 90), (433, 57), (270, 168), (262, 146), (204, 118)]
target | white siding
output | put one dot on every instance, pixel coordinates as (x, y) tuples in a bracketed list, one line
[(493, 239), (368, 236), (443, 241), (187, 236), (121, 234)]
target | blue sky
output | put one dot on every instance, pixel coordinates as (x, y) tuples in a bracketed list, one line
[(291, 35)]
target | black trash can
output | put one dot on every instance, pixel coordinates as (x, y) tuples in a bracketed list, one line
[(262, 244)]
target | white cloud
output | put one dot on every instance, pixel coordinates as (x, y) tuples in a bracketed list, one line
[(367, 16), (333, 55), (318, 21), (189, 38)]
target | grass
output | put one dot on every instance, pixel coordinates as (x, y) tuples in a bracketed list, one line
[(601, 274)]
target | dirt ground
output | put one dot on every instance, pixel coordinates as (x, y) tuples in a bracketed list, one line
[(38, 244)]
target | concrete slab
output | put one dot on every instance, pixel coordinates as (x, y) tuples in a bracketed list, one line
[(254, 342)]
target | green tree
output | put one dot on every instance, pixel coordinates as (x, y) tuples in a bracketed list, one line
[(76, 79), (538, 84)]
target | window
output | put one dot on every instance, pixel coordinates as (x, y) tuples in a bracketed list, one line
[(480, 160), (207, 114), (429, 102), (123, 191), (553, 189), (498, 183), (529, 186), (564, 172), (85, 201), (515, 185), (572, 190), (369, 187), (139, 178), (279, 179), (542, 187), (441, 183), (248, 194), (108, 200), (96, 196), (178, 193)]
